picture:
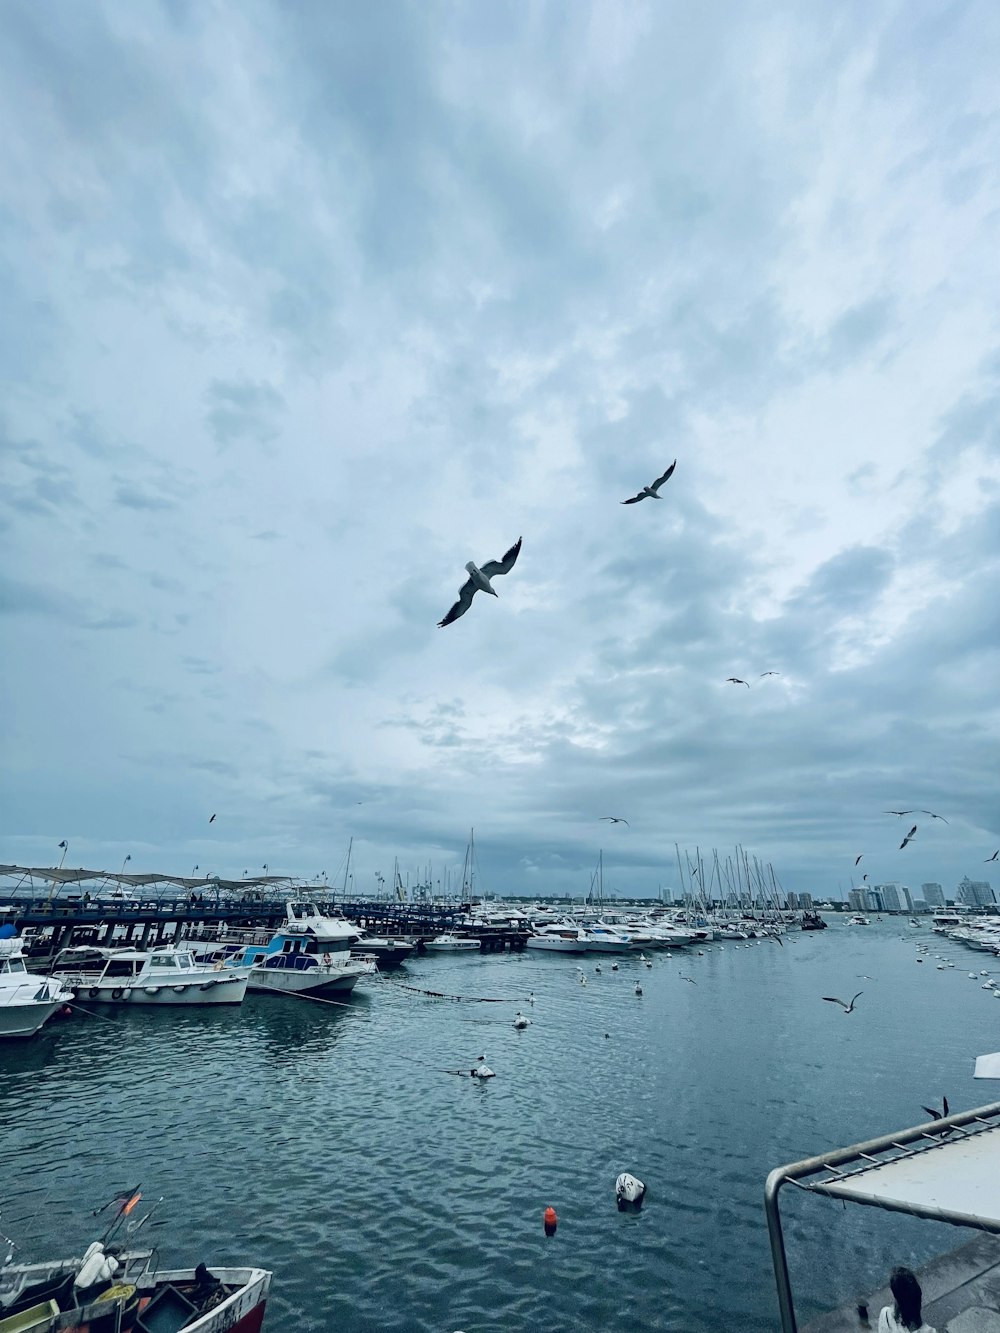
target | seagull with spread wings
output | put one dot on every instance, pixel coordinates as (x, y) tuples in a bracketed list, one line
[(848, 1008), (615, 820), (735, 680), (909, 837), (479, 581), (651, 492)]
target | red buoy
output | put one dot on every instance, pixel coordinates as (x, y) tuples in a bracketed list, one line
[(551, 1221)]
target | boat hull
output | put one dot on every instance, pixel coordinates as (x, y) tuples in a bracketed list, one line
[(553, 944), (225, 991), (24, 1020), (314, 981)]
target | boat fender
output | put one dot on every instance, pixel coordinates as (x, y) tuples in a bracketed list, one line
[(151, 990), (207, 985), (327, 960), (94, 992), (117, 993), (629, 1192), (127, 993), (180, 989), (97, 1267)]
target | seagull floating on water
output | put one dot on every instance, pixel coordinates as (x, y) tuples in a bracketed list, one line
[(652, 491), (848, 1008), (638, 989), (479, 581)]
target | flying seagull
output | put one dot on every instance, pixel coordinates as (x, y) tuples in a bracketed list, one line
[(684, 978), (213, 817), (992, 858), (769, 673), (848, 1008), (479, 581), (934, 816), (909, 837), (652, 491), (858, 858), (735, 680), (615, 820), (899, 812)]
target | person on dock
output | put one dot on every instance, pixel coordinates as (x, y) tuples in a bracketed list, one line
[(904, 1315)]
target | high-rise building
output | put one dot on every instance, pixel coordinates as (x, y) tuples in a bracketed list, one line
[(792, 901), (857, 900), (933, 895), (890, 896), (874, 900), (906, 894), (806, 901), (975, 892)]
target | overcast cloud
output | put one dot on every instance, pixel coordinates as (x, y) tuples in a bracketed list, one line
[(305, 306)]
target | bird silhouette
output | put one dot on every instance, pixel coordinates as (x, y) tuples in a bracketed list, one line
[(615, 820), (735, 680), (899, 812), (848, 1008), (992, 858), (684, 978), (909, 837), (212, 819), (858, 858), (479, 581), (769, 673), (939, 1115), (934, 816), (650, 492)]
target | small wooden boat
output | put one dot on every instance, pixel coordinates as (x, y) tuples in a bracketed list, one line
[(108, 1292)]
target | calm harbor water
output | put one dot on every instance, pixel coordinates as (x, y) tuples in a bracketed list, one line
[(329, 1144)]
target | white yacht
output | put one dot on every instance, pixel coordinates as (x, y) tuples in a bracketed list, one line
[(27, 1001), (453, 943), (603, 938), (858, 920), (167, 975), (558, 938)]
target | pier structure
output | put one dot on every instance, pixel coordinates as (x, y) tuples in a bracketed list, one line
[(57, 921)]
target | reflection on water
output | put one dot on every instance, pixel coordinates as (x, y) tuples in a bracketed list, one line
[(331, 1144)]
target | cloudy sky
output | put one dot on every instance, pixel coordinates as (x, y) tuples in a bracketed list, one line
[(307, 305)]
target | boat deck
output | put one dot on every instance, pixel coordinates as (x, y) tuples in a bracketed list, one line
[(961, 1294)]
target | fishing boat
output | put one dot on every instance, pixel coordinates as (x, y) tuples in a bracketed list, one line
[(453, 943), (167, 975), (114, 1289), (27, 1000)]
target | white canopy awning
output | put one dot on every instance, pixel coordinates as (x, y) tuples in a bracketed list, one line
[(954, 1180)]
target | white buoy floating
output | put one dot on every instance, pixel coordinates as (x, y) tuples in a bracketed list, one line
[(638, 989), (629, 1192), (482, 1070), (614, 967), (520, 1022)]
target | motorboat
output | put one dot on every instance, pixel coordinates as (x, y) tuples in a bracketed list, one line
[(858, 920), (558, 938), (170, 974), (111, 1289), (388, 950), (453, 943), (602, 938), (27, 1000)]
